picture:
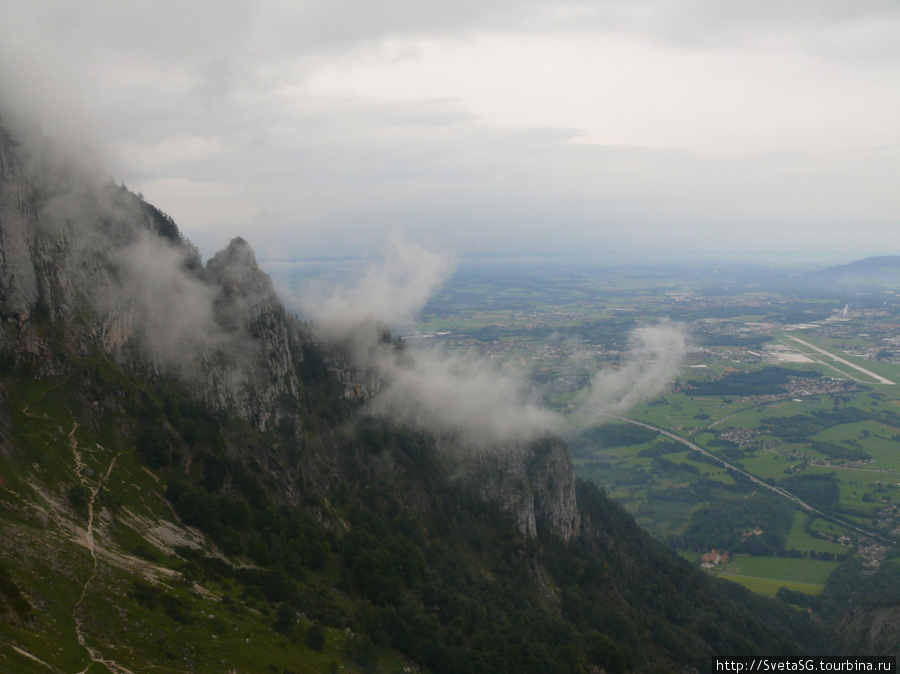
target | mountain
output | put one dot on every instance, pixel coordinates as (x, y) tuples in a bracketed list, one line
[(852, 282), (873, 268), (190, 480)]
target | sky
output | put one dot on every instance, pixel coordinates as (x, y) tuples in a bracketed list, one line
[(325, 129)]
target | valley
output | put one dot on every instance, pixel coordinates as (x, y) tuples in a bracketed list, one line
[(786, 392), (194, 478)]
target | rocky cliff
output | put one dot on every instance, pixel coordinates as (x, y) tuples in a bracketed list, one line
[(870, 631), (172, 438), (71, 242), (534, 483), (76, 249)]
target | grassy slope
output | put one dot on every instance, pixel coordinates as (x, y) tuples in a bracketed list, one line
[(75, 593)]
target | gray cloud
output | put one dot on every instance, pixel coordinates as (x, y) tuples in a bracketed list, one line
[(207, 109), (443, 393), (452, 393), (392, 293), (167, 309), (654, 358), (147, 285)]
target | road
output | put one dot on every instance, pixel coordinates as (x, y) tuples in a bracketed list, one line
[(781, 492)]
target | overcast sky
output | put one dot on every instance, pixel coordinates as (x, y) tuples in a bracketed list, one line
[(321, 128)]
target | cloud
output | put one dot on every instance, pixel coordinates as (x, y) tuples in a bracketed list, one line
[(146, 283), (445, 394), (452, 393), (655, 355), (391, 293), (320, 126), (170, 308), (425, 388)]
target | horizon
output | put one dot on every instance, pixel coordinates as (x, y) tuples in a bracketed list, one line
[(630, 258), (656, 131)]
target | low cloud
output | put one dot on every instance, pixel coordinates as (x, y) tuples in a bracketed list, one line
[(391, 293), (655, 355), (437, 391), (171, 309), (432, 389), (146, 283)]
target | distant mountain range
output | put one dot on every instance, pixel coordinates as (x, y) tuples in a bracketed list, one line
[(867, 277), (878, 268)]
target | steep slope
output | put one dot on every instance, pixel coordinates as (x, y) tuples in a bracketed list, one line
[(173, 440)]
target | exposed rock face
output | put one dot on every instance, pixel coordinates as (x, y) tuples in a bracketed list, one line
[(359, 383), (69, 235), (245, 292), (18, 280), (71, 240), (535, 484), (874, 631), (263, 387)]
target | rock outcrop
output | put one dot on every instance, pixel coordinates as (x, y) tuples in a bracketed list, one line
[(112, 272), (534, 483), (870, 631), (18, 279), (259, 379), (70, 237)]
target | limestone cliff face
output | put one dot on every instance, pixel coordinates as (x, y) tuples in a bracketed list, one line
[(358, 383), (261, 382), (70, 238), (873, 631), (18, 279), (87, 262), (535, 484)]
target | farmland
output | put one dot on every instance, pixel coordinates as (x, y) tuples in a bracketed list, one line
[(788, 393), (797, 392)]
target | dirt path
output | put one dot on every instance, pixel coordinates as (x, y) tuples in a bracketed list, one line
[(94, 488), (33, 658)]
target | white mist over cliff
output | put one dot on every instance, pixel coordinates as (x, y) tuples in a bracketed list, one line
[(392, 293), (452, 393)]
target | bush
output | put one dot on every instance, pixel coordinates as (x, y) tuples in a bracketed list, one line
[(361, 650), (285, 617), (315, 637), (78, 497)]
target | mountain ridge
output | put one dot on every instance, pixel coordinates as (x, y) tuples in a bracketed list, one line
[(171, 437)]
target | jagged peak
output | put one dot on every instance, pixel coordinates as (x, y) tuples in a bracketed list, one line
[(235, 266), (238, 250)]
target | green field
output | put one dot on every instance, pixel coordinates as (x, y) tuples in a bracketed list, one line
[(586, 316), (810, 571), (799, 539), (765, 575), (769, 586)]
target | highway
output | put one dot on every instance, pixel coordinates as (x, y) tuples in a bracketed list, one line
[(781, 492)]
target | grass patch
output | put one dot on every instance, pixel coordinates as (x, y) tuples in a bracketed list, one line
[(769, 586), (810, 571), (799, 539)]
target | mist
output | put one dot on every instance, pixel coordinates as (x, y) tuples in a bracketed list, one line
[(437, 391), (391, 293), (146, 282), (170, 308), (450, 393), (654, 357)]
